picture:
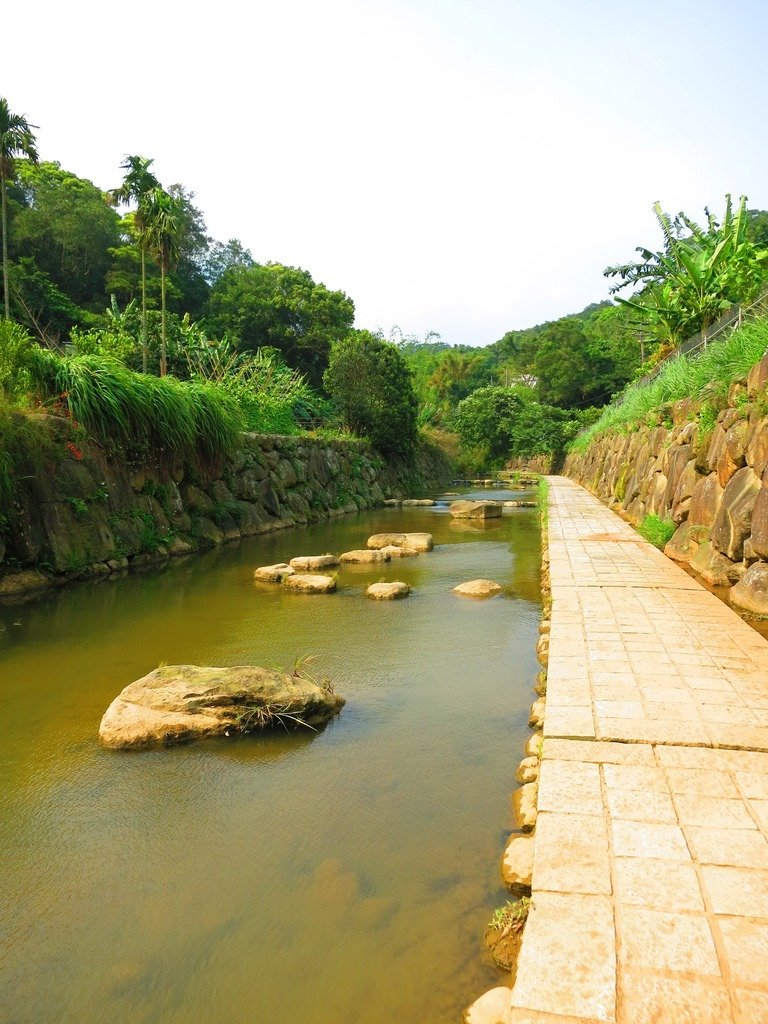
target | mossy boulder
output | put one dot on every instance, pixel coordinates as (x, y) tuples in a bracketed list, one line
[(177, 703)]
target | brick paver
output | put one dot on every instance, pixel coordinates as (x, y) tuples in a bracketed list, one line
[(650, 880)]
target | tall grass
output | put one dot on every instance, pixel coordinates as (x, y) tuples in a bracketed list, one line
[(656, 530), (705, 376), (113, 403)]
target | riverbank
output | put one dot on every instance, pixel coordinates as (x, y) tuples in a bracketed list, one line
[(88, 514), (650, 867)]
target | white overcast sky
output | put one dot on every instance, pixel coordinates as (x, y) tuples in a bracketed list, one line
[(461, 167)]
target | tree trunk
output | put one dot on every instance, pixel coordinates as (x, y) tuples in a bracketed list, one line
[(144, 345), (6, 299), (163, 350)]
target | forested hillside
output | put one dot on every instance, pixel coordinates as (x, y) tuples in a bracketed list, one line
[(130, 282)]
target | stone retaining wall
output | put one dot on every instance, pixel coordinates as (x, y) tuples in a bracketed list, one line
[(709, 478), (87, 514)]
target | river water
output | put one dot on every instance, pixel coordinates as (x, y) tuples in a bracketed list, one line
[(339, 877)]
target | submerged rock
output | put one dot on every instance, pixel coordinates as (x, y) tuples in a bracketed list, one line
[(362, 557), (311, 563), (410, 543), (178, 703), (304, 583), (478, 588), (476, 509), (273, 573), (388, 591)]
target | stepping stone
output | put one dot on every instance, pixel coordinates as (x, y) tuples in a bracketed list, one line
[(387, 591), (273, 573), (301, 583)]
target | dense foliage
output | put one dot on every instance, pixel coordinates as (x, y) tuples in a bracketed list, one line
[(699, 274), (129, 282), (496, 422), (705, 376), (370, 384)]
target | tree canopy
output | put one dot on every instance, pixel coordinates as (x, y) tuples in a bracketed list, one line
[(370, 384), (271, 305)]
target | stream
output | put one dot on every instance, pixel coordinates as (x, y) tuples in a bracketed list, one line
[(336, 877)]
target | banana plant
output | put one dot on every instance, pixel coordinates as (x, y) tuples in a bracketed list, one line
[(700, 273)]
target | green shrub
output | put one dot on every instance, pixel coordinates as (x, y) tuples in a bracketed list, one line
[(371, 386), (115, 403)]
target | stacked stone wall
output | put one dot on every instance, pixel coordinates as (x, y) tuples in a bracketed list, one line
[(87, 514), (707, 474)]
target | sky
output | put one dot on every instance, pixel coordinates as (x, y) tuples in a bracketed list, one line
[(467, 168)]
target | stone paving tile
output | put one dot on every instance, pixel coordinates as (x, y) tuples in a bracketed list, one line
[(651, 998), (650, 880), (572, 854), (567, 963), (668, 885), (570, 787)]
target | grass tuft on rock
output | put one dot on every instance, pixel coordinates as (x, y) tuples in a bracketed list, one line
[(657, 531), (511, 917)]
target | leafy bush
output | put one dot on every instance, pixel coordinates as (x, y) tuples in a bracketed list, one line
[(371, 386), (15, 348), (274, 399), (509, 422)]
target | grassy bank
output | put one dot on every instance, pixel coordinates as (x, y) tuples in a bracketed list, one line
[(705, 376)]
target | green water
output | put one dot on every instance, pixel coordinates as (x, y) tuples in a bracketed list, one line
[(343, 877)]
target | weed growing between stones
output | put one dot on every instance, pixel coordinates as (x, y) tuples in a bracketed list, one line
[(512, 916), (657, 531), (505, 931)]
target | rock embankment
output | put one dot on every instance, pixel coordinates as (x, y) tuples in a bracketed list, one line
[(95, 514), (708, 475), (177, 703)]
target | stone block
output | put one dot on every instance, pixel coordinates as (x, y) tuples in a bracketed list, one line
[(733, 522)]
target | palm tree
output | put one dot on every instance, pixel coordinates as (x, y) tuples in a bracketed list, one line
[(16, 139), (163, 219), (137, 183)]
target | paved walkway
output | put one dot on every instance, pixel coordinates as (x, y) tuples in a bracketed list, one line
[(650, 882)]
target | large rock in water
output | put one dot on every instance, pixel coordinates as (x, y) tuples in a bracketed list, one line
[(411, 543), (478, 588), (273, 573), (388, 591), (178, 703), (309, 583), (312, 563), (363, 557), (476, 509)]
